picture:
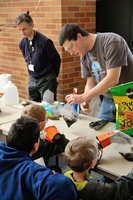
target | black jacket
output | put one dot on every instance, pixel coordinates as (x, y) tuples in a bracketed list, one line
[(48, 149), (121, 189), (96, 189)]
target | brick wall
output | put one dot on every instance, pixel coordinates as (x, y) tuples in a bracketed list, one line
[(49, 16)]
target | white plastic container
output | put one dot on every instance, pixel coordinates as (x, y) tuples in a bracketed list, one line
[(9, 89)]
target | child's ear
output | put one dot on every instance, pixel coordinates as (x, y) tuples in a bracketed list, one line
[(92, 164), (35, 148), (42, 125), (36, 145)]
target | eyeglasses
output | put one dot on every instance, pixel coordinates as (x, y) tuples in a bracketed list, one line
[(70, 46)]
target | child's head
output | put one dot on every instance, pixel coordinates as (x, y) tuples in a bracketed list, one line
[(81, 154), (36, 112), (24, 135)]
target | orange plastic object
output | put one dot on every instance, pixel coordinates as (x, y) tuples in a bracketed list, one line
[(104, 139), (1, 93), (51, 131)]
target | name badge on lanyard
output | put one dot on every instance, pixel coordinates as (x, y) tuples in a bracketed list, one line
[(31, 67)]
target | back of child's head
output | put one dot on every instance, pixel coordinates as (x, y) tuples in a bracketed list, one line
[(35, 111), (79, 153), (23, 134)]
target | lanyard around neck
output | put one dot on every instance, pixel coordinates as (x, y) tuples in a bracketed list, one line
[(31, 49)]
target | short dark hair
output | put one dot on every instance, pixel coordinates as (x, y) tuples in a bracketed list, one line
[(23, 134), (69, 32), (79, 153), (24, 17)]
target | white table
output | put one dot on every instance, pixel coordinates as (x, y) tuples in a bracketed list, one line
[(112, 164)]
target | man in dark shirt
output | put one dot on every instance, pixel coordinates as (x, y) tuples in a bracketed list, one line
[(42, 58)]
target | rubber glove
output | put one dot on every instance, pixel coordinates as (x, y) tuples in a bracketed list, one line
[(128, 156)]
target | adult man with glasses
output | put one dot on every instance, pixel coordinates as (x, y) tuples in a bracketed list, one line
[(106, 61)]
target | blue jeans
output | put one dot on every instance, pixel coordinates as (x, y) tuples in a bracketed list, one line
[(107, 110)]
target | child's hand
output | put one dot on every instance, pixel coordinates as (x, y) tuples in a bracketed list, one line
[(57, 137)]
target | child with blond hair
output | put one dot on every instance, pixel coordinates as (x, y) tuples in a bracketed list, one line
[(51, 142), (81, 155)]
